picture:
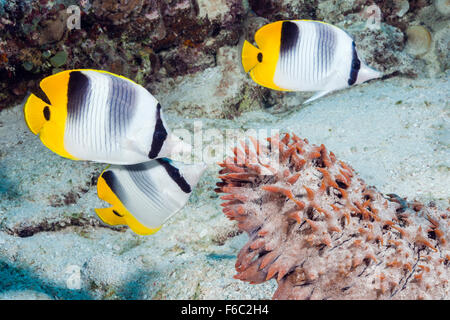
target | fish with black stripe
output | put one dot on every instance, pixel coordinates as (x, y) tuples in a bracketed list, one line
[(99, 116), (305, 55), (145, 195)]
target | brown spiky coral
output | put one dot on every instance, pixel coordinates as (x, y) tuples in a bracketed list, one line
[(323, 233)]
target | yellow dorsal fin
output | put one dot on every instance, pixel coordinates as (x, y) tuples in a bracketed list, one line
[(55, 87), (269, 36)]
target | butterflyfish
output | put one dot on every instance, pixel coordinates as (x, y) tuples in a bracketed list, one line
[(99, 116), (145, 195), (305, 55)]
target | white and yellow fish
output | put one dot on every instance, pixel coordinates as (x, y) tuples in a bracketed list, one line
[(145, 195), (99, 116), (304, 55)]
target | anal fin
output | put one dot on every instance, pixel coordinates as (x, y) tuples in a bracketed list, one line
[(139, 228)]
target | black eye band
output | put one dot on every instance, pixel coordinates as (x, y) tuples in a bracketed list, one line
[(47, 113), (38, 92), (260, 57), (117, 214)]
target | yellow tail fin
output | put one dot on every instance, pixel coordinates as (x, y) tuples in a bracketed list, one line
[(249, 56)]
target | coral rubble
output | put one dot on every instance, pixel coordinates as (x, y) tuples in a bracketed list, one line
[(317, 228), (419, 40)]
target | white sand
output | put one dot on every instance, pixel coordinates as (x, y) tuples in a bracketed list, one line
[(395, 133)]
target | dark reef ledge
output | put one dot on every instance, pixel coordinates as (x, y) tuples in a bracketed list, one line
[(154, 42)]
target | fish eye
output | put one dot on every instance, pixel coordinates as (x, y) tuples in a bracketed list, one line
[(260, 57), (47, 113), (117, 214)]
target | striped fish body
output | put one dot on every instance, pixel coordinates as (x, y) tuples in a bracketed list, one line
[(304, 55), (99, 116), (144, 196), (313, 56)]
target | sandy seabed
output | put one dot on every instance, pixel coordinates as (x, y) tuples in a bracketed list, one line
[(394, 133)]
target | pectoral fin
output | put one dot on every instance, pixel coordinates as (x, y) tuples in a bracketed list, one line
[(317, 96)]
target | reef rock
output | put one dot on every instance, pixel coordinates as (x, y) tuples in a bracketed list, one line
[(383, 48), (158, 42), (285, 9), (323, 233), (442, 39), (221, 91), (147, 41), (117, 12)]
